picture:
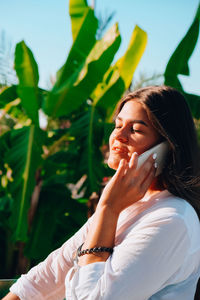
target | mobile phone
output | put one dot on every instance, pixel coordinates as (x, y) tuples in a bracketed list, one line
[(161, 150)]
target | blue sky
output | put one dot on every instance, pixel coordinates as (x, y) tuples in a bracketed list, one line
[(45, 27)]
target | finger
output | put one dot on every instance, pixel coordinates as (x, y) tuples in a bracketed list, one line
[(133, 161), (149, 178), (151, 157), (121, 168)]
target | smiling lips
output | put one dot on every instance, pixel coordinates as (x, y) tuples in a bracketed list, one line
[(120, 150)]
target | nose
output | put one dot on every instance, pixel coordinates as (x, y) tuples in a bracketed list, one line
[(121, 135)]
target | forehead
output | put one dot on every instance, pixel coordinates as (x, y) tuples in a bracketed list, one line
[(133, 110)]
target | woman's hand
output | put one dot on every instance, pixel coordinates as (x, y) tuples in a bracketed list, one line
[(128, 185)]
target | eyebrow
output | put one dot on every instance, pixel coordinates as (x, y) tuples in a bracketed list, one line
[(134, 121)]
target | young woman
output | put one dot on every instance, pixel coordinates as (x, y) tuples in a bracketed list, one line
[(143, 242)]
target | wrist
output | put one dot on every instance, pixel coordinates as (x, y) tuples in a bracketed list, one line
[(101, 234), (108, 211)]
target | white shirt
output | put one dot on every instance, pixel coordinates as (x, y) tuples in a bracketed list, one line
[(156, 257)]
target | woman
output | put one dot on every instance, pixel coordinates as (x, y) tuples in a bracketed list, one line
[(149, 224)]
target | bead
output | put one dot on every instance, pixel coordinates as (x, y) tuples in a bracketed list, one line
[(93, 250)]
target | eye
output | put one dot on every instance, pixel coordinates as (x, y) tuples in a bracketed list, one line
[(117, 126), (133, 130)]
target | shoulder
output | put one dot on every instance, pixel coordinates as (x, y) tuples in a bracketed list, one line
[(167, 204), (174, 211)]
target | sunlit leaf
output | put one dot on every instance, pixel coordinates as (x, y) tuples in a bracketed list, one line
[(77, 10), (27, 72), (128, 63), (77, 89), (118, 78), (79, 50)]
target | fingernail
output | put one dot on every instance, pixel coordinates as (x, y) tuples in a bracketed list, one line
[(154, 155), (155, 165), (135, 153)]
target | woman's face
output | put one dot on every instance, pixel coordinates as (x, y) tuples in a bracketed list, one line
[(133, 133)]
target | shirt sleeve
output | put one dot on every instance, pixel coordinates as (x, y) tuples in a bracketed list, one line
[(46, 280), (152, 251)]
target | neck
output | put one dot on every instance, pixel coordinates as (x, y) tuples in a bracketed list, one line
[(155, 187)]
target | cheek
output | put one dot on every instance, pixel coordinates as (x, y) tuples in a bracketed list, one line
[(111, 139), (149, 142)]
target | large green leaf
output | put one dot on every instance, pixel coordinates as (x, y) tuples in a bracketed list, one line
[(128, 63), (68, 73), (76, 89), (77, 10), (109, 92), (7, 95), (27, 72), (80, 49), (23, 157), (178, 63), (118, 78), (103, 53)]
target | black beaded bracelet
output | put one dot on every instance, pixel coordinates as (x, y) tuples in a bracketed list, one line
[(93, 250)]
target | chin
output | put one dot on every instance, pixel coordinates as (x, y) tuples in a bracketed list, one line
[(113, 163)]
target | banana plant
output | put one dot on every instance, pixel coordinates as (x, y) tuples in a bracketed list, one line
[(92, 121), (25, 144), (44, 163), (95, 88), (22, 147)]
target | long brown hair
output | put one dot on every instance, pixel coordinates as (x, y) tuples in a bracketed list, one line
[(169, 113)]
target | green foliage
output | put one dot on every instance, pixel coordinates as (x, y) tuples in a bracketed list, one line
[(80, 84), (77, 9), (88, 132), (118, 77), (27, 72), (178, 64), (7, 95), (128, 63), (79, 50), (23, 157), (39, 167)]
